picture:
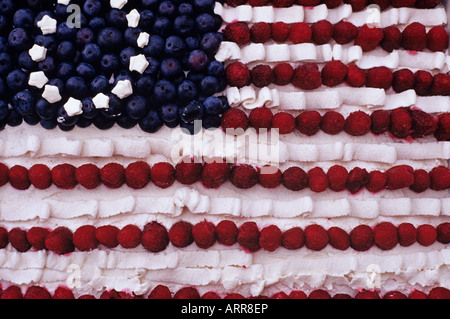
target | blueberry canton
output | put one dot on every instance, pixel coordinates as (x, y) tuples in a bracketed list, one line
[(103, 63)]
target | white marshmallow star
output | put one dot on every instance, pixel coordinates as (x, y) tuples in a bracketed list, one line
[(47, 25), (138, 63), (123, 89), (51, 94)]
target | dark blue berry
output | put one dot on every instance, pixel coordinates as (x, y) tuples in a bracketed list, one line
[(65, 32), (45, 110), (208, 86), (137, 107), (76, 87), (14, 118), (192, 43), (185, 8), (213, 105), (86, 71), (6, 63), (47, 41), (84, 36), (102, 122), (91, 53), (110, 39), (190, 128), (147, 19), (116, 107), (184, 25), (164, 92), (99, 84), (4, 109), (198, 61), (191, 112), (187, 91), (23, 18), (48, 65), (195, 77), (211, 121), (49, 124), (88, 108), (167, 9), (117, 18), (110, 63), (83, 122), (169, 113), (205, 23), (32, 119), (92, 8), (66, 51), (3, 43), (64, 119), (145, 84), (162, 27), (17, 80), (131, 35), (58, 83), (204, 5), (216, 68), (6, 7), (155, 46), (170, 68), (126, 122), (65, 70), (153, 67), (126, 54), (19, 39), (151, 122), (97, 23), (150, 4), (210, 43)]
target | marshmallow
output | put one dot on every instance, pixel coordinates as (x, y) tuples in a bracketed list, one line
[(133, 18), (73, 107), (47, 25), (101, 101), (118, 4), (64, 2), (138, 63), (51, 94), (123, 89), (37, 53), (289, 15), (228, 51), (263, 14), (316, 13), (37, 79), (277, 52), (143, 39), (253, 52), (303, 52)]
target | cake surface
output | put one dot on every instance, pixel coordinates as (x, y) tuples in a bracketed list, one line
[(188, 149)]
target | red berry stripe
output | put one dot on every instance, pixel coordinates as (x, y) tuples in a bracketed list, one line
[(414, 36), (190, 292), (212, 175), (155, 237), (307, 76)]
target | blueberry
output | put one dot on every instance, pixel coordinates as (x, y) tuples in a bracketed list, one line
[(47, 41), (192, 43), (23, 18), (3, 43), (173, 124), (91, 53), (209, 85), (64, 119), (66, 51), (210, 43), (151, 122), (48, 65), (170, 68), (84, 36), (131, 35), (147, 19), (6, 7), (187, 91), (198, 61), (137, 107), (195, 77), (59, 83), (65, 70), (155, 46), (42, 14), (153, 67), (48, 124), (32, 119), (4, 24), (65, 32), (185, 8), (110, 39), (215, 68), (3, 87), (88, 108), (102, 122), (115, 109), (211, 121), (65, 128), (117, 18), (24, 103), (225, 103), (150, 4), (110, 63), (14, 118), (126, 54), (164, 92), (191, 112), (145, 84), (169, 113), (83, 122), (4, 109), (162, 27), (6, 63), (17, 80), (61, 11), (222, 83), (213, 105), (76, 87), (46, 110), (126, 122), (97, 23), (19, 39), (86, 71), (167, 9), (92, 8), (99, 84), (184, 25), (204, 5), (205, 23), (190, 128)]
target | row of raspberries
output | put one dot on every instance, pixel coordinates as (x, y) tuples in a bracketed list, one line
[(401, 122), (215, 173), (154, 237), (357, 5), (414, 37), (307, 76), (190, 292)]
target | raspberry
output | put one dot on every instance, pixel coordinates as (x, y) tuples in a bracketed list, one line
[(84, 238), (137, 175), (87, 297), (180, 234), (357, 179), (280, 31), (356, 77), (322, 31), (319, 294), (204, 234), (317, 179), (423, 123), (12, 292), (63, 293), (383, 4), (344, 32), (280, 295), (88, 175), (282, 3), (284, 122), (188, 171), (394, 295), (111, 294), (407, 234), (422, 82), (248, 236), (357, 5), (421, 181), (427, 4), (155, 237), (307, 77), (402, 80), (333, 3), (342, 296), (243, 176), (257, 3), (442, 132), (282, 73), (358, 123), (36, 237), (401, 123), (308, 122), (18, 239), (332, 122), (377, 181), (392, 38), (260, 117), (160, 292), (234, 119), (316, 237), (4, 241), (399, 176), (269, 179), (443, 233), (426, 235), (337, 178), (163, 174), (40, 176), (260, 32), (112, 175), (293, 238), (270, 238), (107, 235), (403, 3), (379, 77), (237, 32), (4, 172), (416, 294), (261, 75), (226, 232), (334, 73), (297, 294), (18, 177), (294, 178), (385, 235), (235, 3), (211, 294), (361, 238), (368, 38), (187, 293), (414, 37), (300, 32), (338, 238), (439, 293), (441, 84), (60, 241), (129, 236), (367, 294), (437, 39), (381, 121), (440, 178), (237, 74), (36, 292), (234, 296), (63, 176), (215, 174)]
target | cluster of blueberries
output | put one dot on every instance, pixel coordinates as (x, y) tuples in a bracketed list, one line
[(176, 88)]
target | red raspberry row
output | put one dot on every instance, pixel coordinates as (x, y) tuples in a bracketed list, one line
[(307, 76), (215, 173), (155, 238), (414, 37), (357, 5), (163, 292), (402, 122)]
